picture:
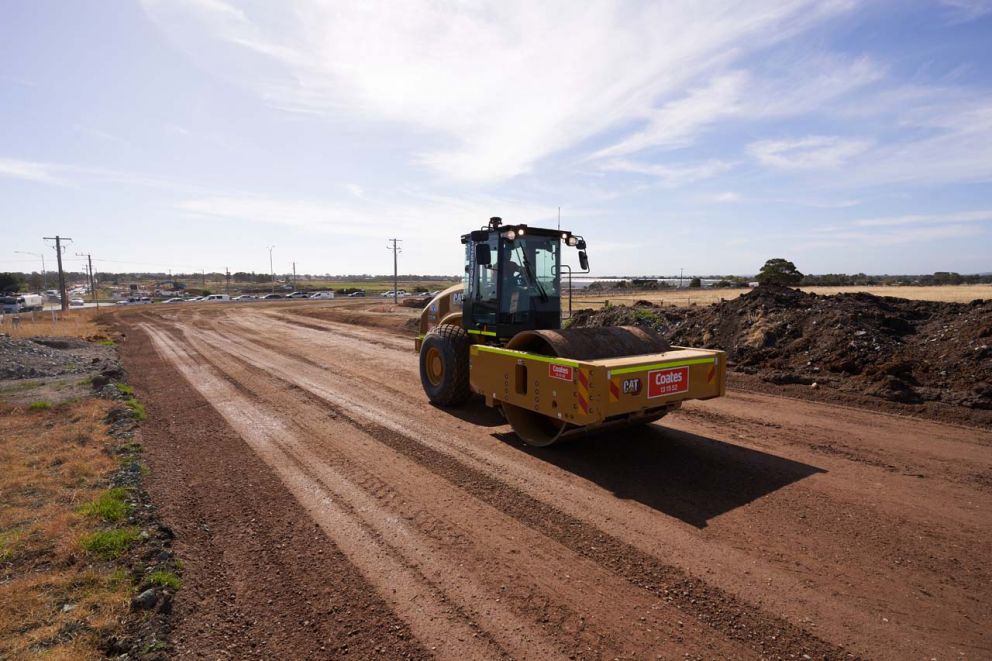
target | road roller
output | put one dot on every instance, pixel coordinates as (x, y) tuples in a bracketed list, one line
[(499, 334)]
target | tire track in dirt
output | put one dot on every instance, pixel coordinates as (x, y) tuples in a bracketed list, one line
[(725, 613), (524, 568), (392, 557), (842, 550), (817, 526)]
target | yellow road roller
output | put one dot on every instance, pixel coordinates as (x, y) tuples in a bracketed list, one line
[(499, 334)]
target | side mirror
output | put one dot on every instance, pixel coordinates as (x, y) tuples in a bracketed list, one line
[(483, 255), (583, 260)]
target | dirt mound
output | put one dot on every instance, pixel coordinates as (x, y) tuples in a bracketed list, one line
[(900, 350)]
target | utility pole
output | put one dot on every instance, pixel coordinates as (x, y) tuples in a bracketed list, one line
[(89, 273), (396, 281), (227, 287), (58, 253), (294, 276), (680, 278), (44, 273), (272, 272)]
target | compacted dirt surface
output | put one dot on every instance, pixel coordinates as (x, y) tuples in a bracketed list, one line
[(323, 509)]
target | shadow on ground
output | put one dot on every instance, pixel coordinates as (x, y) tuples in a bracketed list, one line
[(693, 478), (475, 412)]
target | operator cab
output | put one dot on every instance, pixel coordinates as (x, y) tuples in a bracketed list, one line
[(513, 279)]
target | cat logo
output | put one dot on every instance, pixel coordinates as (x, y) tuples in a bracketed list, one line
[(631, 386)]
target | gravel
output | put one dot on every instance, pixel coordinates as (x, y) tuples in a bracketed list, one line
[(34, 358)]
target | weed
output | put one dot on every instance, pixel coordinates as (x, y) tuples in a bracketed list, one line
[(124, 389), (645, 316), (109, 544), (110, 506), (39, 406), (137, 407), (105, 343), (8, 543), (166, 579)]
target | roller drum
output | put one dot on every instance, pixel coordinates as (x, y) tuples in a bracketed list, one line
[(540, 430)]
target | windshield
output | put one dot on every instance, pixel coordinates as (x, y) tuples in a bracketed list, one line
[(531, 280)]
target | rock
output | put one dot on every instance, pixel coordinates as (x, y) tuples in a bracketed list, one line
[(814, 385), (145, 601)]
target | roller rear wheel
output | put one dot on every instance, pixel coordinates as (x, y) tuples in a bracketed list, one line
[(444, 365)]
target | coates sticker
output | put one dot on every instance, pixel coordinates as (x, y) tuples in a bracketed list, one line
[(563, 372), (631, 386), (668, 382)]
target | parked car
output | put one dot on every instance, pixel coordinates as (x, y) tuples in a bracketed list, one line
[(174, 300), (271, 297), (76, 302), (356, 294), (389, 294), (245, 297), (323, 294), (217, 297), (194, 299), (298, 294)]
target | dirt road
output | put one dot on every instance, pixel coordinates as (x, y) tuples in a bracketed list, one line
[(322, 507)]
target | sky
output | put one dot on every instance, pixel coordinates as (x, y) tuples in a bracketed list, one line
[(702, 135)]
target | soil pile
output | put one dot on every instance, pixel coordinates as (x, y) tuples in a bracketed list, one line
[(900, 350)]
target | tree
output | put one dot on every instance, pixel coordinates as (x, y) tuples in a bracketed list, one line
[(9, 282), (779, 271), (695, 283)]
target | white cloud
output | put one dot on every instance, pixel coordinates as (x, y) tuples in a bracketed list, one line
[(74, 176), (672, 176), (676, 123), (28, 170), (984, 215), (961, 11), (727, 197), (375, 216), (815, 151), (500, 85)]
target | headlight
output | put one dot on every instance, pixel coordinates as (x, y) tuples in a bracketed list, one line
[(572, 241), (521, 232)]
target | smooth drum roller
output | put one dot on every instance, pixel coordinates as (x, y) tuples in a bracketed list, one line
[(540, 430)]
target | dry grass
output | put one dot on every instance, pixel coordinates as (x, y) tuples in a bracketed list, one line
[(72, 323), (55, 600), (951, 293)]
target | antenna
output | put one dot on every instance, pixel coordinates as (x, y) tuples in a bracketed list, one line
[(559, 218)]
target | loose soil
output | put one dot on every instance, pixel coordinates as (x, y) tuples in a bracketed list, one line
[(932, 358), (322, 507)]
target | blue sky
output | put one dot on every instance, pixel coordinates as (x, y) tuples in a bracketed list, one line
[(709, 136)]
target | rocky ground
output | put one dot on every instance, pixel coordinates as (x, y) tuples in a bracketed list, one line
[(39, 357), (54, 373), (915, 353)]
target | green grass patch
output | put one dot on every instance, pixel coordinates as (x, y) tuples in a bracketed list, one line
[(137, 407), (109, 544), (105, 343), (39, 406), (124, 389), (111, 506), (166, 579)]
